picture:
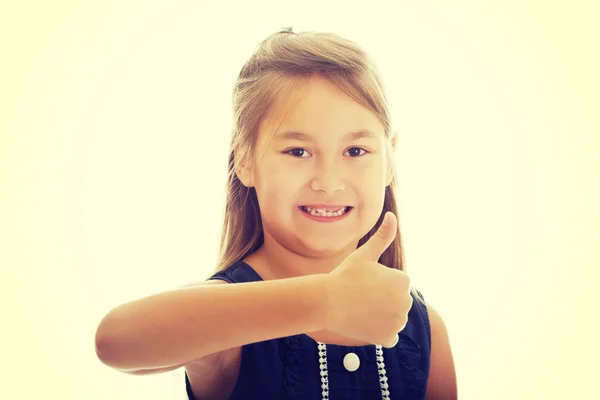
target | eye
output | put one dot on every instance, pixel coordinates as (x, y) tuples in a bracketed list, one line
[(297, 152), (355, 151)]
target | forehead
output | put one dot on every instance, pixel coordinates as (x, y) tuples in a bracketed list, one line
[(317, 107)]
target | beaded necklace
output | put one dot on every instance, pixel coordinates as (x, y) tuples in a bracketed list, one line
[(351, 362)]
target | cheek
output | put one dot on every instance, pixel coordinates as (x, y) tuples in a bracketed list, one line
[(370, 184), (276, 188), (370, 176)]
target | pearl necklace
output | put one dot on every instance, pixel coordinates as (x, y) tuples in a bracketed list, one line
[(385, 394)]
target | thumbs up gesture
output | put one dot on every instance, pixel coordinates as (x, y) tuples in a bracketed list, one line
[(366, 300)]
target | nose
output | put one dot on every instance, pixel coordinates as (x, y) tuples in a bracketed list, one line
[(328, 178)]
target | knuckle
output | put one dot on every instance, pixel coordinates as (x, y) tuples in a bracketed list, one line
[(402, 321), (403, 326), (399, 326), (399, 322), (404, 278)]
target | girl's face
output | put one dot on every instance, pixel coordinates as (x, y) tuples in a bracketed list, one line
[(327, 149)]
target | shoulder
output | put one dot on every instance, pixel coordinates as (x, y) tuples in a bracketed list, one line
[(231, 274), (203, 283), (441, 384)]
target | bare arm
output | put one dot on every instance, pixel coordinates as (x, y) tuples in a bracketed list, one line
[(441, 384), (171, 329)]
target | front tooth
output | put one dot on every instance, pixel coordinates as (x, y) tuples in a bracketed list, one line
[(323, 213)]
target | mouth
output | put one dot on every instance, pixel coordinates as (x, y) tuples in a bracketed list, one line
[(325, 212)]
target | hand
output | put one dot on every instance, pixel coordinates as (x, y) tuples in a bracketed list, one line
[(366, 300)]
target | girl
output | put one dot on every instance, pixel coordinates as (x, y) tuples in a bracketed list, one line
[(309, 299)]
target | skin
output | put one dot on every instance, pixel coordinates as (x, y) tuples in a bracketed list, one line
[(327, 168), (441, 384), (332, 170)]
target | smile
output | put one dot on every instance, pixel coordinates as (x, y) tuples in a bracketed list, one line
[(326, 214)]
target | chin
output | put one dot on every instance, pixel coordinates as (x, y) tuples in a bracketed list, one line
[(325, 249)]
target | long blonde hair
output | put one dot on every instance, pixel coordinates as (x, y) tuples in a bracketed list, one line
[(274, 68)]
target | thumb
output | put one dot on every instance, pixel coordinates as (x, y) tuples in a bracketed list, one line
[(383, 237)]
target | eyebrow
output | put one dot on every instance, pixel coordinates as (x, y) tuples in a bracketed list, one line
[(306, 137)]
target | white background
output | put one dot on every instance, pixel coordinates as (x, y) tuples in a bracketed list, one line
[(113, 165)]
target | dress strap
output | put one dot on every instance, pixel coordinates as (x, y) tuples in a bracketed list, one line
[(239, 272)]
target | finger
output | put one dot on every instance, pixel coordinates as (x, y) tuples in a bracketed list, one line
[(382, 238), (392, 343)]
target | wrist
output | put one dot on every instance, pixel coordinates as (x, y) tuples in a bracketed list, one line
[(321, 305)]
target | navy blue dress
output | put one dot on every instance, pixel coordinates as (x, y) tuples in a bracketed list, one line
[(288, 368)]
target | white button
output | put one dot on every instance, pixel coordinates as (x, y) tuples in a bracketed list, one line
[(351, 362)]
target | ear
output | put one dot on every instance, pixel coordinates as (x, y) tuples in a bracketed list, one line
[(243, 170), (392, 149)]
